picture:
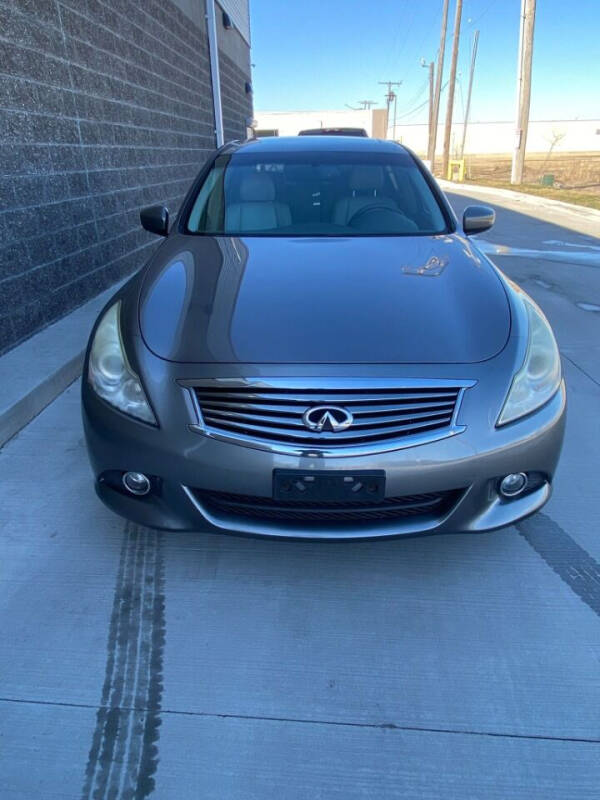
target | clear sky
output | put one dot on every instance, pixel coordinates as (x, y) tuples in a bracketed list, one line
[(322, 54)]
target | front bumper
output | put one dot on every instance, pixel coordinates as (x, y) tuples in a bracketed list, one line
[(182, 460)]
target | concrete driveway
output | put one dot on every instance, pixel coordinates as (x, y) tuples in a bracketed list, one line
[(135, 663)]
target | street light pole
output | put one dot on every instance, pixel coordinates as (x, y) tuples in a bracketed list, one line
[(524, 68)]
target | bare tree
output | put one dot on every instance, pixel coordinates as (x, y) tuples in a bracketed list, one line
[(554, 138)]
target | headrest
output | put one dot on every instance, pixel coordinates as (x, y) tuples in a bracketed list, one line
[(257, 189), (365, 178)]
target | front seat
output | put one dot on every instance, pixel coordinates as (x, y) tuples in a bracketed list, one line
[(257, 210), (365, 184)]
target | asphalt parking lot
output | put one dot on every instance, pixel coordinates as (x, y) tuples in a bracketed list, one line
[(136, 663)]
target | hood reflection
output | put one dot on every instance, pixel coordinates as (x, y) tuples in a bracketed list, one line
[(194, 295)]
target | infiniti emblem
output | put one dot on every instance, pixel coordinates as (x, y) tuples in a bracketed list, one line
[(327, 418)]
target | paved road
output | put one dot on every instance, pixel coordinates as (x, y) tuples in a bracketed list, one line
[(213, 667)]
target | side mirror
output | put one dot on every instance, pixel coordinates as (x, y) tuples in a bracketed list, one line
[(155, 219), (477, 219)]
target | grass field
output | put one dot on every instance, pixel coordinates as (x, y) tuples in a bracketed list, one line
[(576, 175), (579, 198)]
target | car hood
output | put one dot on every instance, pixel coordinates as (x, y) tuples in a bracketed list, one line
[(375, 299)]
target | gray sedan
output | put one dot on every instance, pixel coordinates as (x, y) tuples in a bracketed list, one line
[(318, 349)]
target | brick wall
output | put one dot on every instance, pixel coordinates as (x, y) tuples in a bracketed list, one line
[(105, 106)]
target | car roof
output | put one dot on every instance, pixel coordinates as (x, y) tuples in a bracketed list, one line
[(333, 131), (308, 144)]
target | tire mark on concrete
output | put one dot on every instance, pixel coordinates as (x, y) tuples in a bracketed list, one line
[(127, 630), (574, 565), (131, 649), (149, 742), (138, 697), (124, 755), (102, 714)]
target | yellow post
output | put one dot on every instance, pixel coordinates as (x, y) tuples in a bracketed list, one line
[(456, 170)]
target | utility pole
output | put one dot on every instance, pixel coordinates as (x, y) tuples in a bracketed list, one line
[(431, 77), (523, 88), (451, 87), (431, 68), (366, 104), (394, 128), (389, 97), (473, 58), (435, 112)]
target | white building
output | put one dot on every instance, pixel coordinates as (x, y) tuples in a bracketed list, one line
[(482, 137), (568, 136), (290, 123)]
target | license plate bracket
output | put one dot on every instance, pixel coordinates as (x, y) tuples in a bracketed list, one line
[(329, 486)]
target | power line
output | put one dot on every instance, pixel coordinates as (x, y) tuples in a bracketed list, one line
[(363, 105), (414, 110), (483, 13), (397, 51), (428, 32), (422, 105), (415, 98)]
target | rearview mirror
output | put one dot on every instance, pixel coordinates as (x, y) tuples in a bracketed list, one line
[(477, 219), (155, 219)]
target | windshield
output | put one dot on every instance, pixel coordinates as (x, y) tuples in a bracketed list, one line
[(316, 194)]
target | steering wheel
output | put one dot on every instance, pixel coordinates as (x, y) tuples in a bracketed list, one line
[(377, 208)]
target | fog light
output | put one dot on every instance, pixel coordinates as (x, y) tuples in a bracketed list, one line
[(136, 483), (513, 484)]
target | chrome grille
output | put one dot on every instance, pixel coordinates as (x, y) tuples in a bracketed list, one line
[(273, 414)]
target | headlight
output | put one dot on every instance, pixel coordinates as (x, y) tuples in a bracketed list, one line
[(110, 375), (539, 377)]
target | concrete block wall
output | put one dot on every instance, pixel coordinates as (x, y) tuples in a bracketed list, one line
[(236, 105), (234, 70), (105, 106)]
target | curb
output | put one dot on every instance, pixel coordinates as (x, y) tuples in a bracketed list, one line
[(509, 194), (578, 218), (18, 415), (35, 372)]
